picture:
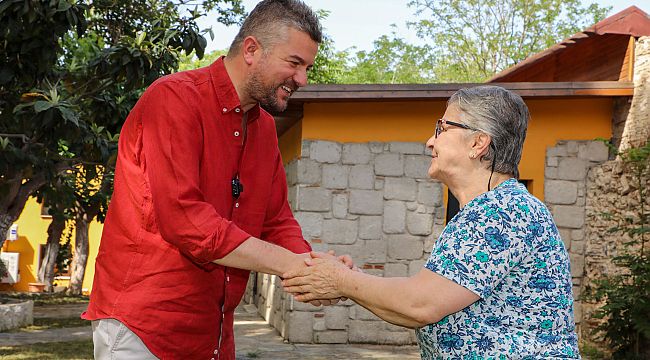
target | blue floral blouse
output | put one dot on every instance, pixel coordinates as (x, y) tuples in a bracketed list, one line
[(505, 247)]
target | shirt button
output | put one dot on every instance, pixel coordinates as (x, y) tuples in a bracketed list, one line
[(237, 110), (224, 109), (236, 133), (216, 351), (236, 205)]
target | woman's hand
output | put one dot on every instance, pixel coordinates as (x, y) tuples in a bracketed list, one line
[(320, 280)]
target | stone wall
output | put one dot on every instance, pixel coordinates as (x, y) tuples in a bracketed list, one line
[(611, 190), (565, 194), (373, 201)]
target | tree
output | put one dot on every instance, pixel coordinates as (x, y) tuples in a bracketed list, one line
[(474, 39), (70, 73), (391, 61)]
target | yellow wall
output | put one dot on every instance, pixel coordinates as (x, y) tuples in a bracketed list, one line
[(290, 143), (32, 231), (551, 120)]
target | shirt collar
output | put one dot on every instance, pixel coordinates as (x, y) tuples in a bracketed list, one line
[(225, 90)]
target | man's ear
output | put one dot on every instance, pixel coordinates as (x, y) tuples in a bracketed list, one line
[(250, 49), (481, 143)]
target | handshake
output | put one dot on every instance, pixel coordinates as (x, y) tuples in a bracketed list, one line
[(320, 280)]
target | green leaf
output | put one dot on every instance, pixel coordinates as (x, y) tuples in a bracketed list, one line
[(40, 105)]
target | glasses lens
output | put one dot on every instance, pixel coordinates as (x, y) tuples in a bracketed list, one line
[(438, 127)]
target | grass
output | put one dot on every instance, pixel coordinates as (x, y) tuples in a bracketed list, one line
[(53, 323), (41, 299), (58, 350)]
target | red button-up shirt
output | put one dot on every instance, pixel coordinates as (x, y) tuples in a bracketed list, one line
[(172, 213)]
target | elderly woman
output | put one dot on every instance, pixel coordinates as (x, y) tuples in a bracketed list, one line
[(497, 284)]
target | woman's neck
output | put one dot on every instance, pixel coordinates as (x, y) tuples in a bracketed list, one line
[(468, 187)]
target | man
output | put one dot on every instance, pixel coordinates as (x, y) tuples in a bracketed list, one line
[(199, 180)]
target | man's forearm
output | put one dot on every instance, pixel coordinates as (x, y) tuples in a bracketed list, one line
[(261, 256)]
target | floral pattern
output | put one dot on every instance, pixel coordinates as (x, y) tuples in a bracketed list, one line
[(505, 247)]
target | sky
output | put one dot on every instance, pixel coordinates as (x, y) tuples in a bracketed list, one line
[(357, 23)]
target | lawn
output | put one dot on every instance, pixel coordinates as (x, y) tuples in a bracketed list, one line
[(58, 350)]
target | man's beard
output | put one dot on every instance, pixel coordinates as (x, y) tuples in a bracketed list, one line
[(266, 95)]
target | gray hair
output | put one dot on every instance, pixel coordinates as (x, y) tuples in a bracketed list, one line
[(269, 20), (500, 113)]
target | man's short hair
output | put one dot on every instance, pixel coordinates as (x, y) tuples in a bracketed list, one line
[(269, 20)]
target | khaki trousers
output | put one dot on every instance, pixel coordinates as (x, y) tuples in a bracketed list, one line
[(114, 341)]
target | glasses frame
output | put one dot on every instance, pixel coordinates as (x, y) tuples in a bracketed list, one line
[(439, 129)]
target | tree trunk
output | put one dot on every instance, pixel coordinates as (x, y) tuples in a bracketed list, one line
[(46, 271), (14, 202), (80, 256)]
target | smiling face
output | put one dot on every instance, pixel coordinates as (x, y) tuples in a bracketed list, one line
[(449, 151), (281, 70)]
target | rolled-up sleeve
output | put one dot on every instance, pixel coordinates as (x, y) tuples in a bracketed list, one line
[(172, 147), (280, 227)]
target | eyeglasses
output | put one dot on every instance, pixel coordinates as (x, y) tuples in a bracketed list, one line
[(440, 129)]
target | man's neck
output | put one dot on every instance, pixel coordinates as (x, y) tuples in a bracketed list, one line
[(237, 72)]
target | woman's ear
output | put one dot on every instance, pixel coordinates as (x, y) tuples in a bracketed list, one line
[(480, 144)]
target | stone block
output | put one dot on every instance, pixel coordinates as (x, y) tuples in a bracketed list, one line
[(419, 224), (337, 317), (319, 325), (400, 189), (379, 183), (429, 193), (308, 172), (404, 247), (577, 265), (577, 312), (331, 337), (335, 176), (551, 161), (304, 148), (358, 312), (354, 153), (374, 251), (364, 331), (336, 231), (389, 164), (417, 166), (578, 247), (577, 234), (415, 266), (572, 147), (572, 217), (340, 206), (558, 150), (395, 270), (313, 199), (560, 192), (595, 151), (325, 151), (370, 227), (300, 327), (366, 202), (311, 224), (362, 177), (407, 147), (571, 168), (376, 147), (550, 172), (394, 217)]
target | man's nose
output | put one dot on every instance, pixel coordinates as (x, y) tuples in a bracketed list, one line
[(300, 77)]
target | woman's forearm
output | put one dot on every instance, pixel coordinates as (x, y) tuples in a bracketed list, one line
[(397, 300)]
